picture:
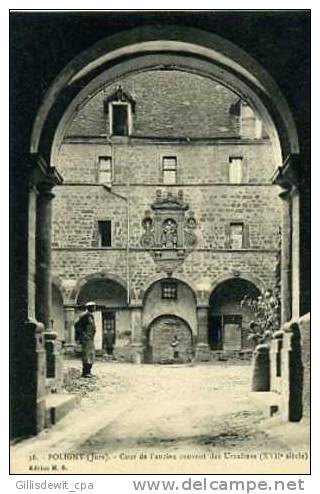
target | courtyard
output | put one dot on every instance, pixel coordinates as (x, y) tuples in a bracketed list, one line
[(196, 418)]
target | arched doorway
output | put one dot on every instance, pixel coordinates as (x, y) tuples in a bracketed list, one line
[(169, 340), (111, 316), (169, 296), (46, 122), (169, 313), (228, 321)]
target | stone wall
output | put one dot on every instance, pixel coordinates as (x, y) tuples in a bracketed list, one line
[(184, 307), (200, 267), (176, 114), (140, 160)]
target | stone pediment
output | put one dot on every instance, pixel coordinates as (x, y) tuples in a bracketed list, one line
[(119, 96), (169, 201)]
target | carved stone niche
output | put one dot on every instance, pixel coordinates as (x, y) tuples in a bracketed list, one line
[(169, 231)]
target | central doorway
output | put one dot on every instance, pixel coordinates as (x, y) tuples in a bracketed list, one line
[(169, 341)]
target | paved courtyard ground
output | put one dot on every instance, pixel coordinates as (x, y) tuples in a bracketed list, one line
[(154, 418)]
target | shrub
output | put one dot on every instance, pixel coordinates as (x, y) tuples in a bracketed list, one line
[(266, 315)]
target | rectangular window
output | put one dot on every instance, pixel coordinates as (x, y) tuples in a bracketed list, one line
[(169, 169), (236, 236), (105, 170), (104, 233), (120, 124), (169, 291), (235, 170)]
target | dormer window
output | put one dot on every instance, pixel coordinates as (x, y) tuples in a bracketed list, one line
[(248, 122), (120, 107), (119, 119)]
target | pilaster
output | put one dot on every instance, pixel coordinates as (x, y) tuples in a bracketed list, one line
[(202, 352), (137, 343)]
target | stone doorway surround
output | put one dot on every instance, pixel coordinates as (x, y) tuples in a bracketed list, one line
[(169, 341)]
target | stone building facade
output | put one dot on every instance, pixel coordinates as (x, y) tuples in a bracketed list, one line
[(166, 218)]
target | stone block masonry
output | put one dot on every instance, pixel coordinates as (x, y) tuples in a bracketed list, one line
[(190, 118)]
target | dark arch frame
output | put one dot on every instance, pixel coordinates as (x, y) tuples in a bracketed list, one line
[(229, 59), (100, 276), (167, 314), (160, 278), (216, 318), (148, 329)]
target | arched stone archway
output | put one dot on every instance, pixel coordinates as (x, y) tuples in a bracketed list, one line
[(112, 315), (158, 277), (235, 68), (54, 104), (58, 283), (170, 295), (99, 276), (169, 340), (248, 277), (228, 320)]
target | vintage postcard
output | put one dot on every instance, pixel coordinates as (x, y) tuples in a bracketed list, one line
[(160, 242)]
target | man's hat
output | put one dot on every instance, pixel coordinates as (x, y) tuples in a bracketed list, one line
[(90, 303)]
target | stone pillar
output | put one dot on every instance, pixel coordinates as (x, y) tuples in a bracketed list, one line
[(33, 194), (28, 404), (69, 319), (44, 289), (261, 368), (137, 343), (292, 374), (295, 253), (203, 353), (286, 249), (276, 361)]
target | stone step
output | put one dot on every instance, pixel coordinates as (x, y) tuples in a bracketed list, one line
[(268, 402), (58, 405), (224, 355)]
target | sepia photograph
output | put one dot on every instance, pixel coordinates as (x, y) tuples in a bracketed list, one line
[(160, 242)]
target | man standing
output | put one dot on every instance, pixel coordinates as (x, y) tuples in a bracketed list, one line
[(85, 331)]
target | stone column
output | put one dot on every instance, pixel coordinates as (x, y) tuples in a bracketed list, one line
[(33, 194), (292, 374), (203, 353), (295, 253), (137, 336), (44, 289), (69, 319), (286, 249), (275, 361)]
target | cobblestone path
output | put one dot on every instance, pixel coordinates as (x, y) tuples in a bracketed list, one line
[(171, 411)]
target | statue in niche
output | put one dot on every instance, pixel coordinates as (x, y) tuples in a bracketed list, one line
[(189, 235), (169, 236), (147, 239), (169, 231)]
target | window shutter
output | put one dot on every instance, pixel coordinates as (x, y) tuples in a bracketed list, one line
[(246, 238), (245, 171), (95, 240), (227, 240)]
